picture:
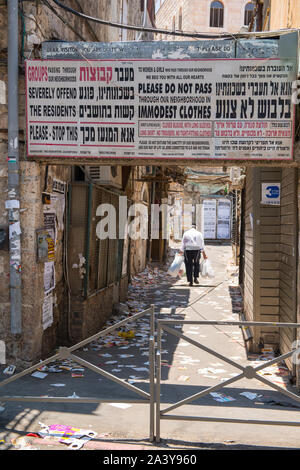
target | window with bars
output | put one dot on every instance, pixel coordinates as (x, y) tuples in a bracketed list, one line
[(216, 15), (249, 9)]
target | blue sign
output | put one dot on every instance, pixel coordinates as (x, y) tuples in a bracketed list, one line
[(270, 193), (273, 192)]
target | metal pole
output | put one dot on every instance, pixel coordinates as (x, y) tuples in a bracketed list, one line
[(152, 371), (13, 203), (158, 379)]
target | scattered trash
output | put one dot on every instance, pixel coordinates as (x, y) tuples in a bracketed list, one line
[(126, 334), (53, 369), (77, 373), (221, 398), (123, 406), (210, 370), (183, 378), (9, 370), (23, 443), (250, 395), (75, 438), (39, 375)]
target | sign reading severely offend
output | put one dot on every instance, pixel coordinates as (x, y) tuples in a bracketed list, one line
[(176, 109)]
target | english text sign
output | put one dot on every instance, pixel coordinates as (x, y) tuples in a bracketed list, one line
[(236, 109)]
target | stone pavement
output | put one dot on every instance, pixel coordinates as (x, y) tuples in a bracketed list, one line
[(185, 370)]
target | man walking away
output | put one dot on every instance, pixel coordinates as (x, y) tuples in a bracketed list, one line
[(192, 246)]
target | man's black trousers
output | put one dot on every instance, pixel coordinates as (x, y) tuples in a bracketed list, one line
[(192, 264)]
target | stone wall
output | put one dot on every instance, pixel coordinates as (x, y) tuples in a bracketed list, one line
[(88, 316)]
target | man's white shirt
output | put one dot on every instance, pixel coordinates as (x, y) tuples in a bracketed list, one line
[(192, 240)]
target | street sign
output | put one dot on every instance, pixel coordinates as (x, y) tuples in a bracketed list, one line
[(270, 194)]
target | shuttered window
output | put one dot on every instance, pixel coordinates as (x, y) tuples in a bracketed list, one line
[(216, 15), (103, 257)]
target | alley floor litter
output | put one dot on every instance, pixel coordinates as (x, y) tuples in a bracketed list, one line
[(185, 370)]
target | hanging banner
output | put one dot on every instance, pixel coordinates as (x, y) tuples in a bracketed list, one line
[(167, 109)]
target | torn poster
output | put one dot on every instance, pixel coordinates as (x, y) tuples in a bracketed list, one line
[(58, 206), (14, 229), (59, 186), (47, 318), (49, 276), (50, 223), (12, 204)]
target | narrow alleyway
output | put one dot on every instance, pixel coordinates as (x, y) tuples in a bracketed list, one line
[(186, 370)]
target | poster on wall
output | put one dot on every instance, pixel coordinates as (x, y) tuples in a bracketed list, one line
[(50, 223), (47, 316), (176, 109), (49, 276), (224, 219), (209, 218), (58, 206), (223, 230)]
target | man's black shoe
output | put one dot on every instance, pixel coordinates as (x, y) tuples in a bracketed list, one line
[(191, 284), (196, 281)]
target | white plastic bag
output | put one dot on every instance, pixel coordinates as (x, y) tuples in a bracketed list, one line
[(206, 269), (176, 265), (182, 271)]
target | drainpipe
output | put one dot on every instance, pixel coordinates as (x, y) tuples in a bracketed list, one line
[(144, 20), (13, 202)]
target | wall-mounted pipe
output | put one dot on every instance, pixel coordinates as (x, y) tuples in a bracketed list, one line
[(144, 19), (13, 202)]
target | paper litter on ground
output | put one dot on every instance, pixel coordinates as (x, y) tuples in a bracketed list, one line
[(250, 395), (221, 398), (122, 406)]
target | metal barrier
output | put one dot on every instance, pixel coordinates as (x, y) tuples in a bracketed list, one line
[(153, 397), (248, 372), (66, 353)]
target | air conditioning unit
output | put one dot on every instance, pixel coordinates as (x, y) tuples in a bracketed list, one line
[(105, 175)]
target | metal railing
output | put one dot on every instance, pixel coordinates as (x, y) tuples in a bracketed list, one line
[(153, 398), (67, 353), (248, 372)]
